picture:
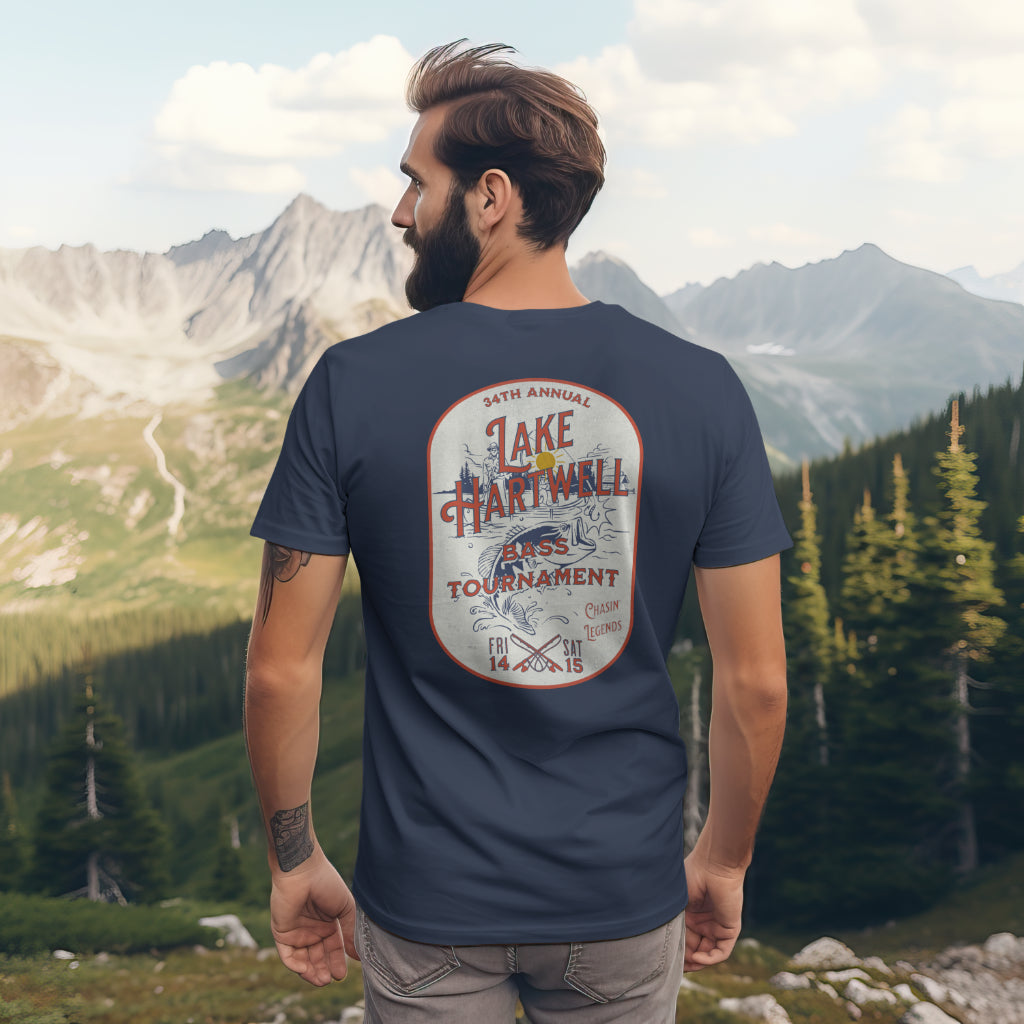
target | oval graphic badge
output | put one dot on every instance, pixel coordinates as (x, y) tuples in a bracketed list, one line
[(534, 501)]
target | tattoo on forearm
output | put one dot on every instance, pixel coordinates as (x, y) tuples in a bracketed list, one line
[(281, 564), (292, 841)]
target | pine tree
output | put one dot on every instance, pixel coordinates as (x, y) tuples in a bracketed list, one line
[(795, 856), (228, 881), (12, 841), (96, 834), (963, 568), (891, 732), (809, 639)]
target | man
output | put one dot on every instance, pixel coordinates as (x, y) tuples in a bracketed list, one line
[(523, 773)]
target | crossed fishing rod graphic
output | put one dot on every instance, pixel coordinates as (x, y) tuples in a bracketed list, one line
[(536, 659)]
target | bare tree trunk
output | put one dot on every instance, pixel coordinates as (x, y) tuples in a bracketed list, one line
[(236, 841), (92, 869), (968, 838), (819, 718), (693, 806)]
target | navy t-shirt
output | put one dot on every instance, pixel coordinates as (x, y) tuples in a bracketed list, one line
[(524, 492)]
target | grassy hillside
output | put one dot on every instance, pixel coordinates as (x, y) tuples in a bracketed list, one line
[(87, 522)]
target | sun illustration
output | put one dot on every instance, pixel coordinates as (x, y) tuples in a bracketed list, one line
[(544, 460)]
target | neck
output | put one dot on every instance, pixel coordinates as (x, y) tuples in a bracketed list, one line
[(513, 277)]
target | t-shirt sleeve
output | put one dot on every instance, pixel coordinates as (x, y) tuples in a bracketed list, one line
[(304, 505), (744, 523)]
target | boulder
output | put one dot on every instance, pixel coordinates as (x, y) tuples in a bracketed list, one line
[(763, 1007), (857, 992), (788, 981), (234, 932), (848, 975), (906, 993), (63, 954), (934, 990), (825, 953), (926, 1013), (876, 963), (1004, 948)]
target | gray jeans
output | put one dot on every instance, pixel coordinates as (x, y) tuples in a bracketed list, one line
[(634, 980)]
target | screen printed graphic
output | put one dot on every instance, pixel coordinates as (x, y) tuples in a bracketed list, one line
[(534, 498)]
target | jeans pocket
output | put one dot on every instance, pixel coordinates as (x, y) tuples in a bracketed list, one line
[(404, 966), (607, 969)]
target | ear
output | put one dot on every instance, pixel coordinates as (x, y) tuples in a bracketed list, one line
[(492, 199)]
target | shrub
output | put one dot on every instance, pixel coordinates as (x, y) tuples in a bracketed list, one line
[(35, 924)]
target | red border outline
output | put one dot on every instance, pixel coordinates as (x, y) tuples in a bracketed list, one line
[(636, 531)]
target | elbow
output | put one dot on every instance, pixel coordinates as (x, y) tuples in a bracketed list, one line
[(762, 686)]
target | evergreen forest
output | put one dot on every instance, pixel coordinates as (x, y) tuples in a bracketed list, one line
[(901, 775)]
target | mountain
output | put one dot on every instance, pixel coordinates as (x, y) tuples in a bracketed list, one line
[(600, 276), (853, 347), (845, 349), (155, 328), (678, 300), (1008, 286), (134, 447)]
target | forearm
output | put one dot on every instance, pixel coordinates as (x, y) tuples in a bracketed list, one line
[(282, 729), (745, 738)]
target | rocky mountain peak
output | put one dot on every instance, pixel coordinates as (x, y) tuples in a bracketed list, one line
[(213, 242)]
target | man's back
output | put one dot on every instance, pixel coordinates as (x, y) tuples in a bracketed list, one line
[(523, 771)]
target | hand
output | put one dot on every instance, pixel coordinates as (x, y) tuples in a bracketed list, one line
[(312, 918), (713, 914)]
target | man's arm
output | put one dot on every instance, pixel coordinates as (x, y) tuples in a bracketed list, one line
[(312, 910), (742, 615)]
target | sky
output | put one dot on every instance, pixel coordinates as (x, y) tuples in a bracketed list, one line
[(738, 131)]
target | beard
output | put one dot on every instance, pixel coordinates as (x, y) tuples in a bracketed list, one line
[(446, 257)]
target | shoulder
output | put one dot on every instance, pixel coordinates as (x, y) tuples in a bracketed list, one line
[(384, 340), (675, 360)]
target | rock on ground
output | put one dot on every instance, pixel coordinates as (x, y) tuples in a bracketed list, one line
[(905, 993), (788, 981), (762, 1007), (848, 975), (861, 994), (926, 1013), (985, 983), (934, 990), (235, 933), (876, 963), (825, 953)]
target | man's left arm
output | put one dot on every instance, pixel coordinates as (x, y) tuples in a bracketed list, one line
[(312, 909)]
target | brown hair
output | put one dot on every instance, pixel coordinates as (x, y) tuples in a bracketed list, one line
[(532, 124)]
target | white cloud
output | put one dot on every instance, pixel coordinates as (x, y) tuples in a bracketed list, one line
[(705, 40), (909, 148), (635, 107), (232, 126), (742, 70), (979, 117), (708, 238), (784, 234), (952, 27), (643, 184), (379, 185)]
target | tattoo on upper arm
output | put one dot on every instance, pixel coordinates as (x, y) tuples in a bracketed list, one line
[(292, 841), (281, 564)]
